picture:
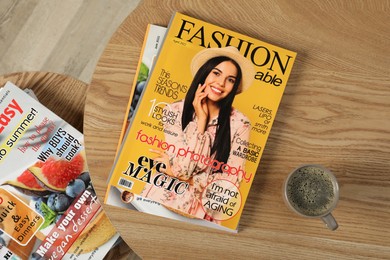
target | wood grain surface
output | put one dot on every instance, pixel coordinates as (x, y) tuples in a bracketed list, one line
[(63, 95), (335, 112), (65, 37)]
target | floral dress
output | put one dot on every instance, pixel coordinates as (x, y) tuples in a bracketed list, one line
[(187, 166)]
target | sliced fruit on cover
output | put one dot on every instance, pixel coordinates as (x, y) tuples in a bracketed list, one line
[(27, 184), (55, 174)]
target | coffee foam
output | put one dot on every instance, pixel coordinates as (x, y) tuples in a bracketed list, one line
[(310, 191)]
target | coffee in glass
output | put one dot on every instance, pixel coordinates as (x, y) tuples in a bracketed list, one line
[(312, 191)]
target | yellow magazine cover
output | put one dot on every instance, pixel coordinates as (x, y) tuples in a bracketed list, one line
[(200, 128)]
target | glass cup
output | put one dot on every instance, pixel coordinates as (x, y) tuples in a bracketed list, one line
[(312, 191)]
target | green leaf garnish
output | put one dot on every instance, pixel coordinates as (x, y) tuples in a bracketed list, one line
[(48, 214), (143, 72)]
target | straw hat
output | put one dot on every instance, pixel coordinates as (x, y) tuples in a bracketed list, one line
[(247, 68)]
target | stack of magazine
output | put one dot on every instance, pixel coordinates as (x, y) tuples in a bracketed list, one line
[(201, 109), (48, 206)]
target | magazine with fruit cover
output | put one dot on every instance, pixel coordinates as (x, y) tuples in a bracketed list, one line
[(198, 133), (154, 36), (48, 207)]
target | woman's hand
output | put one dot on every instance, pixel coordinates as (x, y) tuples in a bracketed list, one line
[(200, 107), (163, 158)]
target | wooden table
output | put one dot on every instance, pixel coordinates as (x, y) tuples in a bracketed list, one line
[(335, 112), (64, 95)]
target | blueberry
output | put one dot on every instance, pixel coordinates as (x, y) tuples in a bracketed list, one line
[(140, 87), (63, 202), (36, 256), (85, 177), (136, 98), (131, 112), (59, 202), (75, 188), (51, 201), (38, 203), (58, 217)]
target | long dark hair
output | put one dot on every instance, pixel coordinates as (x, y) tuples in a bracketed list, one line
[(221, 146)]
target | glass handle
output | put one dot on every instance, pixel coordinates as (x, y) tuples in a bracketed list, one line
[(330, 222)]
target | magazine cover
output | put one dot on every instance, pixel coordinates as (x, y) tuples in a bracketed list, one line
[(198, 133), (48, 207), (152, 42), (154, 37)]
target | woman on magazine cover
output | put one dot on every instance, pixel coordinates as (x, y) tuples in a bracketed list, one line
[(210, 127)]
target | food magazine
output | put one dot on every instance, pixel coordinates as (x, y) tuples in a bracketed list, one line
[(198, 132), (48, 207), (153, 39)]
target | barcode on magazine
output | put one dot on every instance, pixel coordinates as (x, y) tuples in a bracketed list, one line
[(125, 183)]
